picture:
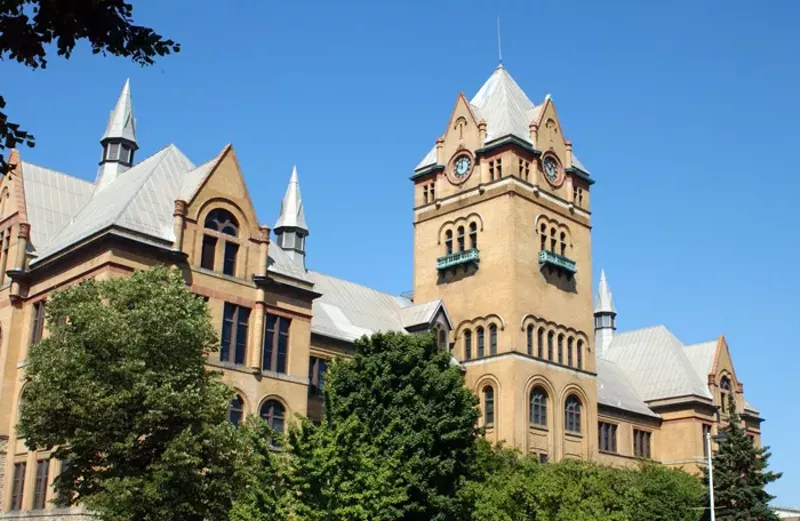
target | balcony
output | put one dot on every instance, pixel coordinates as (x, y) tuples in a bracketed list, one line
[(458, 258), (559, 262)]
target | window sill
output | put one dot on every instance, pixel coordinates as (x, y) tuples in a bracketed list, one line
[(609, 452), (571, 434), (538, 428), (222, 276)]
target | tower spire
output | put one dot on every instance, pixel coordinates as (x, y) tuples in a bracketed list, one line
[(499, 44), (290, 228), (118, 141), (605, 316)]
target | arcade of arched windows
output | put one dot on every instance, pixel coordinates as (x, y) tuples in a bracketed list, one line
[(554, 236), (461, 234), (478, 338), (555, 343)]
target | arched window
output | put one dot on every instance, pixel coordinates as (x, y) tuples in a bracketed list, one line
[(538, 407), (530, 339), (563, 243), (442, 338), (481, 339), (492, 339), (543, 237), (572, 414), (467, 345), (540, 343), (460, 238), (473, 236), (236, 410), (553, 241), (448, 242), (222, 221), (725, 393), (550, 338), (569, 351), (488, 406), (273, 412), (579, 353), (561, 349)]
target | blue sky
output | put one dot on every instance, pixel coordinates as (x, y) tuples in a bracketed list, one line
[(684, 111)]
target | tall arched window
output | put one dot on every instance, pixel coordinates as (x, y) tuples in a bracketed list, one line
[(563, 243), (492, 339), (274, 413), (540, 343), (461, 238), (467, 345), (530, 339), (543, 237), (473, 236), (561, 349), (236, 410), (553, 240), (481, 340), (579, 353), (223, 222), (550, 339), (725, 392), (538, 404), (448, 242), (572, 414), (569, 351), (488, 406)]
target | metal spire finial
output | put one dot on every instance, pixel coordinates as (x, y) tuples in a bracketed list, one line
[(499, 43)]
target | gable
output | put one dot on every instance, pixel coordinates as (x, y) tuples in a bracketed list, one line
[(550, 136), (12, 199)]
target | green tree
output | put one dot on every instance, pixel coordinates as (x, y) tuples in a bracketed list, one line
[(121, 391), (29, 27), (398, 437), (664, 493), (741, 475)]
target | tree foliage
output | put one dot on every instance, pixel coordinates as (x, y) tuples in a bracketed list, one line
[(397, 439), (28, 28), (121, 391), (741, 474)]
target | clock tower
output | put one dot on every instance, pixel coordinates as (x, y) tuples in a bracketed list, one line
[(502, 234)]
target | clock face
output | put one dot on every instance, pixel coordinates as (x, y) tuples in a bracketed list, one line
[(550, 168), (462, 166)]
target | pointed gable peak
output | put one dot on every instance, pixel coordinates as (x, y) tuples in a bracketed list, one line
[(292, 215), (604, 303), (505, 106), (121, 123)]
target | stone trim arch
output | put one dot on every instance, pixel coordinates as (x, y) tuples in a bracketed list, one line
[(479, 321), (454, 223)]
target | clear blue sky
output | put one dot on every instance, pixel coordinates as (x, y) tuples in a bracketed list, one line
[(684, 111)]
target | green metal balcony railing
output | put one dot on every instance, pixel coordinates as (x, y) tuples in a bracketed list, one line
[(456, 258), (557, 261)]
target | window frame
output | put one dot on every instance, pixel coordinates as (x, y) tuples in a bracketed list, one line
[(473, 236), (642, 443), (492, 339), (317, 367), (467, 345), (235, 413), (488, 406), (481, 342), (276, 413), (607, 436), (239, 323), (537, 402), (230, 254), (37, 325), (271, 354), (17, 487), (572, 414)]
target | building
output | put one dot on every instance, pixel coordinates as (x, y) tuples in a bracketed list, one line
[(500, 201)]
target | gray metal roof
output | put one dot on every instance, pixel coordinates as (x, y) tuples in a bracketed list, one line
[(604, 303), (194, 178), (614, 389), (505, 107), (418, 314), (701, 356), (121, 123), (291, 214), (656, 364), (52, 198)]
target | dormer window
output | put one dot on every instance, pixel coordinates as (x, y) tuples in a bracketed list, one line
[(223, 228)]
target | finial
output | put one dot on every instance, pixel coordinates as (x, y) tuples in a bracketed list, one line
[(499, 45)]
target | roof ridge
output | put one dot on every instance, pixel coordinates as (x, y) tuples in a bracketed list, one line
[(351, 282)]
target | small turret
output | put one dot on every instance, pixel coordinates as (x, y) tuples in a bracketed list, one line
[(605, 316), (118, 141), (290, 229)]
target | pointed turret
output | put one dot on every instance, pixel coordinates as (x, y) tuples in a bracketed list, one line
[(290, 228), (605, 316), (118, 141)]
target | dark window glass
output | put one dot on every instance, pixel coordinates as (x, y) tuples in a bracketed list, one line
[(448, 242), (569, 351), (561, 349), (442, 338), (550, 338), (530, 340), (460, 238), (542, 457), (40, 487), (607, 436), (473, 235), (493, 339), (572, 414), (543, 237), (274, 414), (316, 372), (229, 266), (18, 486), (538, 407), (209, 251), (467, 344), (540, 343), (38, 322), (236, 410), (579, 353), (563, 243), (222, 221), (479, 332), (488, 406), (234, 334), (641, 443), (276, 343)]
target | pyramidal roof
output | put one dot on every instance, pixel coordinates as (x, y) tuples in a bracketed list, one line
[(505, 107), (292, 215), (604, 303), (121, 123)]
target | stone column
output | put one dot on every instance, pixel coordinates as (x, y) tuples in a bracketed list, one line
[(257, 336), (179, 223)]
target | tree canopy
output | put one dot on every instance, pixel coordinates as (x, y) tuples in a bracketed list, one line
[(28, 28), (119, 389)]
